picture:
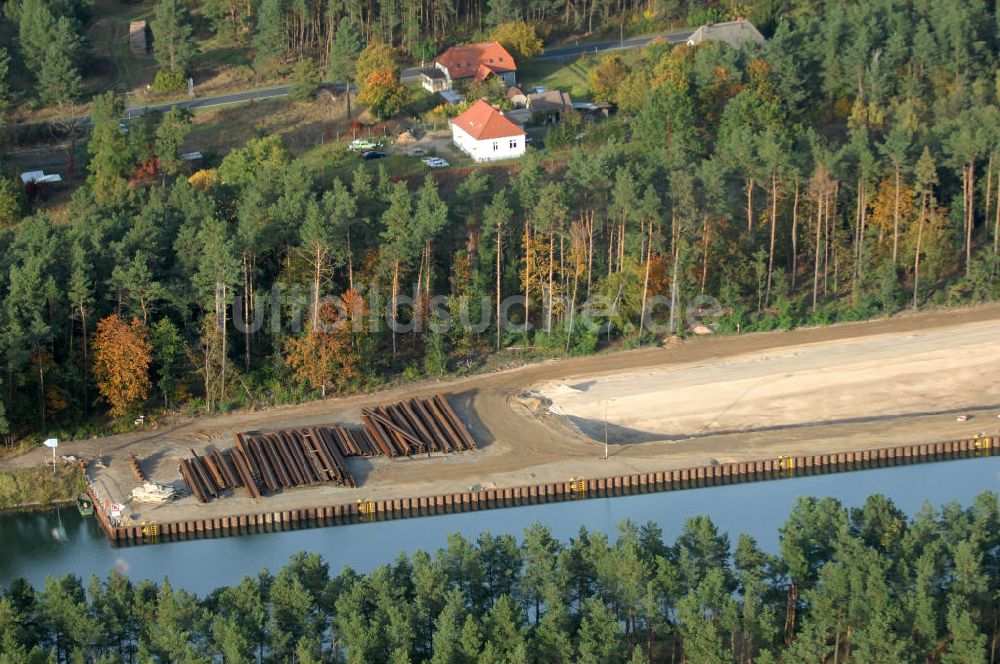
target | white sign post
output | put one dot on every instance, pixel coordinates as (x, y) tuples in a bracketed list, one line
[(53, 443)]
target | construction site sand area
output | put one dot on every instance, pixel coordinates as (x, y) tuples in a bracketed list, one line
[(933, 372), (810, 391)]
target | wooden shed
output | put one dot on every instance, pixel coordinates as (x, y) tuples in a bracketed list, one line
[(138, 38)]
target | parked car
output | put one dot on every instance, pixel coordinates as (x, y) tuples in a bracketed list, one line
[(372, 154), (363, 145), (435, 162)]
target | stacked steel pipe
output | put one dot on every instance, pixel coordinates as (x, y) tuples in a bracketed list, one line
[(269, 461), (417, 426), (137, 471)]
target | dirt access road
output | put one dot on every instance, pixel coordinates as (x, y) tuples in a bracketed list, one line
[(899, 380)]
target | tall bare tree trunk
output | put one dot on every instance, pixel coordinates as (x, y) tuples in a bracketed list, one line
[(989, 194), (673, 289), (749, 205), (996, 224), (395, 294), (527, 275), (795, 234), (86, 362), (645, 280), (971, 214), (791, 611), (499, 244), (548, 313), (704, 252), (895, 220), (820, 197), (572, 304), (350, 261), (222, 361), (317, 275), (828, 197), (590, 247), (916, 258), (246, 312), (774, 226)]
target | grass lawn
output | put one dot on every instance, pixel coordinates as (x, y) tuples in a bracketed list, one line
[(219, 66), (302, 125), (40, 486), (569, 76)]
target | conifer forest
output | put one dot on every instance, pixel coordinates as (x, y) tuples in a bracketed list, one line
[(845, 169), (866, 585)]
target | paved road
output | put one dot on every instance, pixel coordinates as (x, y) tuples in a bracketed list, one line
[(410, 74), (576, 50), (209, 102)]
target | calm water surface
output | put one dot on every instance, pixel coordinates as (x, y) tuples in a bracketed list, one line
[(55, 543)]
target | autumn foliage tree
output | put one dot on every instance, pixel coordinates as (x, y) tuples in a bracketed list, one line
[(324, 356), (607, 76), (519, 38), (122, 355), (383, 93), (376, 56)]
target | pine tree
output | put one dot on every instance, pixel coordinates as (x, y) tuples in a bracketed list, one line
[(59, 80), (170, 136), (109, 155), (168, 346), (174, 44), (35, 31), (269, 41), (344, 52), (306, 79), (5, 100), (968, 643), (925, 174), (599, 640), (400, 245), (217, 272), (448, 631)]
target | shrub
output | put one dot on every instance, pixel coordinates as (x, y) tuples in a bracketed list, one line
[(168, 81), (699, 17)]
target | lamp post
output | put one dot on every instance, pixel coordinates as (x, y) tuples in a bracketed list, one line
[(53, 443)]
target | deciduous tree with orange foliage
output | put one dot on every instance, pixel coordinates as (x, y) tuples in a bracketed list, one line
[(324, 357), (122, 355), (382, 92)]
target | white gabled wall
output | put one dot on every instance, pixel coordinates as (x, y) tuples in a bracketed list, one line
[(510, 147)]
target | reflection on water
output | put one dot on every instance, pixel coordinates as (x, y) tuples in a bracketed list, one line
[(35, 545)]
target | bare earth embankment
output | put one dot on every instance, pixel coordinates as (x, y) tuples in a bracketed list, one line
[(810, 391)]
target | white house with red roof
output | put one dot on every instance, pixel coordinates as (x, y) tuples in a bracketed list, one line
[(477, 62), (486, 134)]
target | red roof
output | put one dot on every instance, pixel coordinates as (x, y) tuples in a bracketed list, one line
[(464, 61), (483, 122), (484, 72)]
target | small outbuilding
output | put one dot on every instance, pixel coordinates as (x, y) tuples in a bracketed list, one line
[(549, 106), (735, 33), (433, 79), (486, 134), (452, 97), (39, 177), (516, 97), (138, 38)]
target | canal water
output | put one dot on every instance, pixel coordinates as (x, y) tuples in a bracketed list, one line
[(35, 545)]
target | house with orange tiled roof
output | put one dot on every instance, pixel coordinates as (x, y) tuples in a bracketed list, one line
[(477, 62), (486, 134)]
